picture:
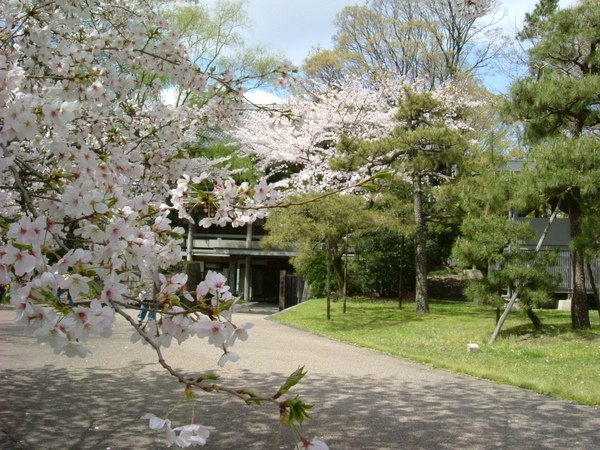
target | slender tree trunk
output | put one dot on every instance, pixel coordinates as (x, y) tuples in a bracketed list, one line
[(580, 316), (517, 288), (593, 284), (537, 323), (421, 300), (401, 273), (328, 282), (345, 272), (338, 272)]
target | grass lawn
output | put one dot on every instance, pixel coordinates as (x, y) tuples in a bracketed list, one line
[(557, 361)]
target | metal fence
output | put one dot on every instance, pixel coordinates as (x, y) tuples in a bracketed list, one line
[(563, 269)]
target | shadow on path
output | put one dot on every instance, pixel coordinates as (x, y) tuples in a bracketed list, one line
[(51, 408)]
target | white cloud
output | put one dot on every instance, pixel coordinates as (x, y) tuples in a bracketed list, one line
[(515, 11), (260, 97), (291, 27)]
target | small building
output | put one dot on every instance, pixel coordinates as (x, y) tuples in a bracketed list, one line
[(558, 239), (253, 273)]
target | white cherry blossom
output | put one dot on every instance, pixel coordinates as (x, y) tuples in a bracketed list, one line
[(93, 164), (192, 435)]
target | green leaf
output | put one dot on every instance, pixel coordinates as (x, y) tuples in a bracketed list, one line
[(49, 296), (225, 306), (211, 377), (253, 397), (383, 175), (297, 411), (371, 187), (291, 381), (21, 247)]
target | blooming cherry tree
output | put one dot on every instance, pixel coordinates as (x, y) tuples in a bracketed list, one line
[(303, 141), (93, 167), (353, 130)]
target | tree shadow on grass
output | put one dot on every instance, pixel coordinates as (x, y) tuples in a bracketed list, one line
[(382, 317), (558, 329), (95, 408)]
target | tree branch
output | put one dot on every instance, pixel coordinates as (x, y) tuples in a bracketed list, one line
[(149, 340)]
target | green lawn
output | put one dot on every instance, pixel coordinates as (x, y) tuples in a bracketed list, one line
[(557, 362)]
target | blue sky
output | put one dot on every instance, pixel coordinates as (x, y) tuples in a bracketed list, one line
[(293, 27)]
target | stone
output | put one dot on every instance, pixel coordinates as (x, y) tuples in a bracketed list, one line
[(473, 347), (564, 305)]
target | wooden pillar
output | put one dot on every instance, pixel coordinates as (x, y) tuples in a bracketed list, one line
[(248, 268), (190, 242)]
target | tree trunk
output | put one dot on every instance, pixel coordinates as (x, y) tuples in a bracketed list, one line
[(401, 274), (328, 282), (345, 290), (537, 323), (580, 316), (517, 288), (594, 288), (421, 300), (338, 272)]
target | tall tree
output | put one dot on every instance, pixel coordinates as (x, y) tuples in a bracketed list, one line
[(489, 197), (429, 39), (559, 105), (213, 38), (423, 151)]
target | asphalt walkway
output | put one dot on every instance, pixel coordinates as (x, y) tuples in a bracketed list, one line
[(364, 399)]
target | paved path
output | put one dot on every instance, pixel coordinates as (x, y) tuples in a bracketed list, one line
[(365, 400)]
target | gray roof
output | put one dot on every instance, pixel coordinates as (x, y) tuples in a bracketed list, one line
[(517, 165), (558, 234)]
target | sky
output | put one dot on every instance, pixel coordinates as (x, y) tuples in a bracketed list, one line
[(294, 27)]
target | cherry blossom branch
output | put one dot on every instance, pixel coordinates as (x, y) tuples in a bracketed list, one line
[(110, 151), (24, 194), (242, 394), (51, 77), (31, 208), (147, 53), (19, 27), (298, 203), (26, 166), (150, 309), (149, 340)]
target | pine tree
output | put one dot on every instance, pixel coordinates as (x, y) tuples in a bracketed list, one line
[(558, 104), (423, 152)]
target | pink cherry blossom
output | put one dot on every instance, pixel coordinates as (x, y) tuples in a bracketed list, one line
[(156, 423), (93, 165), (238, 332), (312, 444), (22, 261), (27, 232), (75, 284), (216, 332), (216, 283), (113, 289)]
